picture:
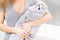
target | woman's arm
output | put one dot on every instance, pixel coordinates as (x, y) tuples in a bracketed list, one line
[(4, 27), (44, 19), (9, 29)]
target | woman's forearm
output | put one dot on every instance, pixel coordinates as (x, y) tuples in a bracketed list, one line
[(44, 19), (6, 28)]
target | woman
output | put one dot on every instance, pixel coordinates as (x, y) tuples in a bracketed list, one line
[(11, 11)]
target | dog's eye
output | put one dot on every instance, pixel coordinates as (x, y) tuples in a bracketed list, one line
[(38, 7)]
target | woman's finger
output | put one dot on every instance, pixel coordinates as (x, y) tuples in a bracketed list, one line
[(27, 30), (25, 35), (22, 37)]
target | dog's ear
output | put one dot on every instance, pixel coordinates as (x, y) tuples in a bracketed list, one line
[(44, 4)]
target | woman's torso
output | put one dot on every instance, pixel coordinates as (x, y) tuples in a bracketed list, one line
[(12, 16)]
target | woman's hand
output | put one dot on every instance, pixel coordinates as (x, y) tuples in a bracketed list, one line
[(21, 33), (26, 28)]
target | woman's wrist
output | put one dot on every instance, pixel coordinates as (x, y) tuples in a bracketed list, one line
[(30, 24), (14, 30)]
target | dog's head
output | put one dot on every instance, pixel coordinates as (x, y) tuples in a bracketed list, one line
[(40, 5)]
